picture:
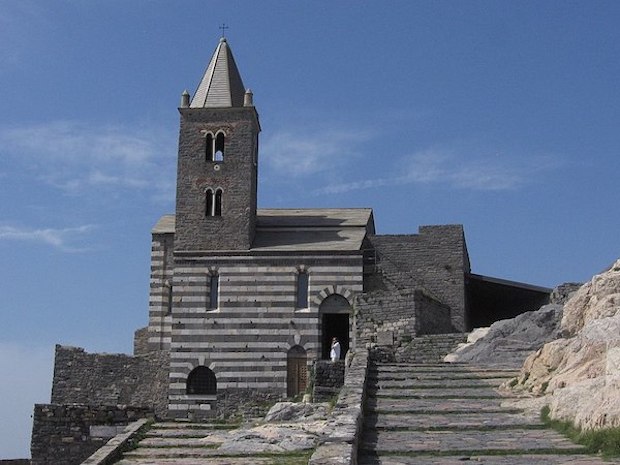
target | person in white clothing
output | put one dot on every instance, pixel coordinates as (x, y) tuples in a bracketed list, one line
[(335, 352)]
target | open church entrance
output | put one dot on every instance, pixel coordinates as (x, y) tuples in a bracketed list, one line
[(335, 311)]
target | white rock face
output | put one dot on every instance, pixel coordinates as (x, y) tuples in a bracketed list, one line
[(581, 371), (596, 299)]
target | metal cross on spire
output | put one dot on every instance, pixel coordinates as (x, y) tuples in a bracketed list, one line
[(223, 27)]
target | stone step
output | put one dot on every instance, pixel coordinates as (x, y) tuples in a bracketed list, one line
[(173, 442), (441, 367), (494, 377), (439, 383), (441, 374), (192, 461), (521, 459), (435, 406), (446, 421), (193, 425), (178, 433), (144, 452), (436, 393), (462, 441)]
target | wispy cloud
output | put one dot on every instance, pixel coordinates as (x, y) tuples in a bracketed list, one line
[(291, 153), (65, 239), (77, 157), (467, 170)]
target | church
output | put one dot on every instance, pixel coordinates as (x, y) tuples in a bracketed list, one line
[(246, 299)]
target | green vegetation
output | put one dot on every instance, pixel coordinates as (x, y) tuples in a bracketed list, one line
[(604, 441)]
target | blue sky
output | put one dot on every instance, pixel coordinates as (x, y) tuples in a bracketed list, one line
[(502, 116)]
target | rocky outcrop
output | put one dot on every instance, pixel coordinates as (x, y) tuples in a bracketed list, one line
[(580, 372), (510, 342)]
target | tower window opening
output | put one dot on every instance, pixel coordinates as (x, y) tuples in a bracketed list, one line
[(214, 290), (218, 154), (210, 204), (213, 202), (209, 147), (302, 289), (217, 207)]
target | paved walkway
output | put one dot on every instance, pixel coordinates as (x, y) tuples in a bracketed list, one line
[(447, 414)]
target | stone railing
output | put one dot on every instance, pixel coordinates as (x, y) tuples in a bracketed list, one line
[(112, 451), (347, 417), (68, 434)]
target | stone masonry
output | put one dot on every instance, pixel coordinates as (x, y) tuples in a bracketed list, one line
[(110, 379), (436, 260), (235, 175), (68, 434)]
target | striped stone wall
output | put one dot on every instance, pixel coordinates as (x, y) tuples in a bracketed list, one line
[(245, 340), (162, 272)]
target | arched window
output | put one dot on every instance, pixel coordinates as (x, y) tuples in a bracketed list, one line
[(218, 153), (217, 210), (201, 381), (213, 202), (302, 289), (209, 147), (209, 202)]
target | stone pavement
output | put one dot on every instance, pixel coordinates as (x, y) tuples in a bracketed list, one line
[(447, 414)]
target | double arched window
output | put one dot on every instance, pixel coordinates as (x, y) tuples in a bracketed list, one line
[(201, 381), (214, 147), (213, 202)]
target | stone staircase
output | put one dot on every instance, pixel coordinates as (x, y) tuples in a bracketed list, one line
[(184, 444), (447, 414)]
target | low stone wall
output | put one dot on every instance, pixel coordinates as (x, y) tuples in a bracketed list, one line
[(111, 379), (385, 312), (347, 417), (328, 379), (393, 318), (69, 434)]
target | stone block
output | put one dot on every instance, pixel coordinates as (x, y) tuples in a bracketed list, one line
[(385, 338)]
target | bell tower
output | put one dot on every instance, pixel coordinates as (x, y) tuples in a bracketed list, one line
[(218, 161)]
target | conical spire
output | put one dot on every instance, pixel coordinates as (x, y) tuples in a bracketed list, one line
[(221, 86)]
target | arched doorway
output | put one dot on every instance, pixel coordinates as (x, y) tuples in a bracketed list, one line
[(201, 381), (335, 312), (296, 371)]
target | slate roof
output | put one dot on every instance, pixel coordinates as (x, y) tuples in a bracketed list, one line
[(221, 85), (312, 229), (303, 230)]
